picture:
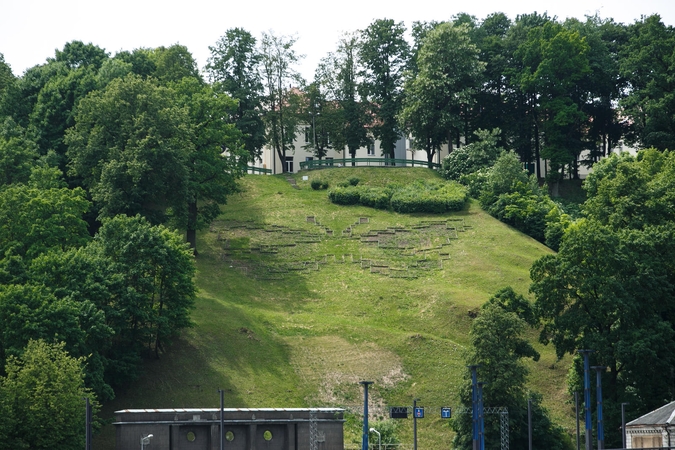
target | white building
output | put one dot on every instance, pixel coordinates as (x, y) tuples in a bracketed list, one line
[(270, 159), (653, 430)]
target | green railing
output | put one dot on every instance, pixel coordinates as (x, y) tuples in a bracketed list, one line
[(260, 170), (368, 162)]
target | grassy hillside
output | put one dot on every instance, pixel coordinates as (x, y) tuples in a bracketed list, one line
[(290, 315)]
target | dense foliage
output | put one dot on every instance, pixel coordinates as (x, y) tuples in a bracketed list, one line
[(42, 399), (100, 154), (418, 197), (498, 347), (611, 285)]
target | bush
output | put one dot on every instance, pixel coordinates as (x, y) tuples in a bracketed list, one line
[(375, 198), (475, 181), (423, 197), (319, 184), (353, 181), (525, 212), (345, 195), (480, 154), (429, 197)]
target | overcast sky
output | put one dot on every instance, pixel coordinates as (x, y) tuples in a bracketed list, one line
[(30, 30)]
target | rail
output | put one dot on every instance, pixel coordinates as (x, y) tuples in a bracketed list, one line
[(367, 162)]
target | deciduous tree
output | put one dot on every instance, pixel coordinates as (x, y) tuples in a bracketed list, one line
[(448, 75), (234, 67), (45, 389), (384, 55)]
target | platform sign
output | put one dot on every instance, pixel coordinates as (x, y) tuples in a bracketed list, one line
[(398, 412), (419, 412), (446, 412)]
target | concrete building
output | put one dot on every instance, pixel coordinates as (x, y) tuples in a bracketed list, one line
[(244, 429), (653, 430)]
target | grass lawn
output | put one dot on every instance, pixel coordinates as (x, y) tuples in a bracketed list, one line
[(300, 299)]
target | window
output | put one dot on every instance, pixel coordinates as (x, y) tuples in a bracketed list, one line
[(329, 160), (307, 135), (289, 164), (309, 158), (371, 149)]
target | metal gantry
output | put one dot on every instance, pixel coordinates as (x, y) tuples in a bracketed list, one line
[(503, 421), (313, 431)]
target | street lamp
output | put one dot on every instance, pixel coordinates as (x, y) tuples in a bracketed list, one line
[(145, 440), (379, 438)]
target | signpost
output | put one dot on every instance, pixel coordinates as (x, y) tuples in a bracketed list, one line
[(446, 412), (398, 412)]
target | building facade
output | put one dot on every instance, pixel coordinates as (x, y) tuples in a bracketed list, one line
[(244, 429), (653, 430)]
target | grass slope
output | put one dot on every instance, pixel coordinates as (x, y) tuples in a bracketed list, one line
[(299, 325)]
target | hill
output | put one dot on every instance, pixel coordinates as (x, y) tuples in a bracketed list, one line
[(300, 299)]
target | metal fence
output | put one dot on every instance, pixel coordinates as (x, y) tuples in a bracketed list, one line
[(365, 162)]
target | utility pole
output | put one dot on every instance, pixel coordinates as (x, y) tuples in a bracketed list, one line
[(222, 420), (364, 439), (623, 422), (598, 394), (474, 406), (587, 398)]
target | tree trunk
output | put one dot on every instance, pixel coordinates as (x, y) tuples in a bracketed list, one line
[(192, 226)]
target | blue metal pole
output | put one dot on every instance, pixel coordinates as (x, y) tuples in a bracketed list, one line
[(598, 395), (481, 422), (587, 398), (474, 406), (364, 440)]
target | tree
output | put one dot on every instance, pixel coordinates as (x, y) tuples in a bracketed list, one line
[(129, 147), (447, 78), (480, 154), (151, 283), (610, 287), (498, 347), (556, 60), (234, 67), (217, 159), (281, 99), (338, 75), (38, 219), (648, 63), (384, 54), (173, 63), (45, 389), (17, 154), (77, 54)]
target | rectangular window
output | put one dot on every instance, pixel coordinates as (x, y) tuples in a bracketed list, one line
[(371, 149), (289, 164), (329, 160), (307, 135)]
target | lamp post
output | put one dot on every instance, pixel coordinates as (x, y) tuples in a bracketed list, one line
[(379, 438), (145, 440)]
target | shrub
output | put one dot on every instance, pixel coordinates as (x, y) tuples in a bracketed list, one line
[(319, 184), (429, 197), (526, 212), (345, 195), (480, 154), (375, 198), (353, 181), (475, 181)]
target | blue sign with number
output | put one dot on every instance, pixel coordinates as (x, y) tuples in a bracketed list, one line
[(419, 413), (446, 412)]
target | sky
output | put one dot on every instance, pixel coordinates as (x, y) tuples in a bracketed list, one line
[(31, 30)]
